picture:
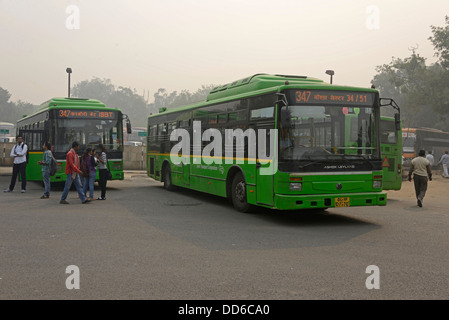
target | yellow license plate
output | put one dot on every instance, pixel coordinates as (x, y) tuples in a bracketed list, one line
[(342, 202)]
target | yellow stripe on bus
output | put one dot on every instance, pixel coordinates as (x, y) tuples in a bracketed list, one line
[(209, 157)]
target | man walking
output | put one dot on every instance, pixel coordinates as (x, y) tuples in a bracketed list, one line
[(445, 162), (421, 169), (19, 153), (72, 169)]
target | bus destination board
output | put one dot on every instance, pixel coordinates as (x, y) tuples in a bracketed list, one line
[(334, 97), (85, 114)]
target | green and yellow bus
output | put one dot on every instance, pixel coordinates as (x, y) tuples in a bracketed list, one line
[(64, 120), (274, 141)]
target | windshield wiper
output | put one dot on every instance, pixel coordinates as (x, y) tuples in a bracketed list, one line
[(310, 163)]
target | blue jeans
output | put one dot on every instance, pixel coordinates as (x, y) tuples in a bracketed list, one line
[(89, 182), (78, 186), (46, 178)]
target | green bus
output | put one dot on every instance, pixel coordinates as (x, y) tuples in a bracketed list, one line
[(284, 147), (64, 120), (391, 147)]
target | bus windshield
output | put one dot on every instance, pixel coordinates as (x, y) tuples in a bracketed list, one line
[(388, 132), (88, 133), (327, 133)]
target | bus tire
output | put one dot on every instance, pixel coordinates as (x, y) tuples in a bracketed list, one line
[(168, 185), (238, 193)]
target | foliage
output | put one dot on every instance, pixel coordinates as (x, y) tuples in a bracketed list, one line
[(420, 90), (133, 104), (13, 111), (171, 100), (123, 98)]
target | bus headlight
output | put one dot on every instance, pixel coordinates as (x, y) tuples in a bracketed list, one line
[(296, 186), (377, 184)]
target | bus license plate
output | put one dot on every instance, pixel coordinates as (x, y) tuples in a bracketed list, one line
[(342, 202)]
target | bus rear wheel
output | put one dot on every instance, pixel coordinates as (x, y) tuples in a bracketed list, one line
[(238, 193), (167, 179)]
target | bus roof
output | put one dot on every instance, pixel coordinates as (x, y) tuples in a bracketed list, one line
[(71, 102), (60, 103), (259, 84)]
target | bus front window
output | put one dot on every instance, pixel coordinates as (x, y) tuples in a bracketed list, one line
[(326, 133), (88, 133)]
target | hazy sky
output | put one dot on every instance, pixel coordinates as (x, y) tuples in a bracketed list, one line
[(183, 44)]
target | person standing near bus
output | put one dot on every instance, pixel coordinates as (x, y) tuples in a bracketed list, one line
[(422, 172), (89, 177), (46, 163), (72, 169), (102, 170), (445, 162), (19, 153)]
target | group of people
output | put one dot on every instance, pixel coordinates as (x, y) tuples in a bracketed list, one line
[(81, 172)]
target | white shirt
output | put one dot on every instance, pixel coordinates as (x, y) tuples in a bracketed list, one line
[(105, 160), (430, 158), (444, 159), (19, 153)]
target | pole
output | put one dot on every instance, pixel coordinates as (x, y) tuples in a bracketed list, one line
[(69, 85), (69, 71)]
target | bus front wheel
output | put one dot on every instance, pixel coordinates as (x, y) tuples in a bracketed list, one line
[(238, 194)]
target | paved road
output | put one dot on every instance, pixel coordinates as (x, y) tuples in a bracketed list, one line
[(146, 243)]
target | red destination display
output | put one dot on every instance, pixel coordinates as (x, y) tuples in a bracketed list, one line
[(85, 114)]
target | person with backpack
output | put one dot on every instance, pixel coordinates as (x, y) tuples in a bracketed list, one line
[(20, 155), (88, 167), (46, 165)]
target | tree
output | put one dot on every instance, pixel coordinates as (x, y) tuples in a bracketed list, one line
[(4, 96), (163, 99), (440, 41), (123, 98), (420, 90), (13, 111)]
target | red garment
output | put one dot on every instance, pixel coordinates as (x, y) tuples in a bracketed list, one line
[(72, 162)]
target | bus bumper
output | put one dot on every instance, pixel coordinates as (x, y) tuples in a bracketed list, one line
[(295, 202)]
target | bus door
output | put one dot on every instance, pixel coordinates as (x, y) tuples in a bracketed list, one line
[(187, 159), (265, 169)]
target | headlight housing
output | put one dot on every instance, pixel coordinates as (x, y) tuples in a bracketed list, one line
[(296, 186)]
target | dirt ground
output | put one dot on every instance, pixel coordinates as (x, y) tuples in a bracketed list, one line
[(437, 191)]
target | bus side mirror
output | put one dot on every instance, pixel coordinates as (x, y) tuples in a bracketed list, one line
[(397, 121), (128, 127)]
